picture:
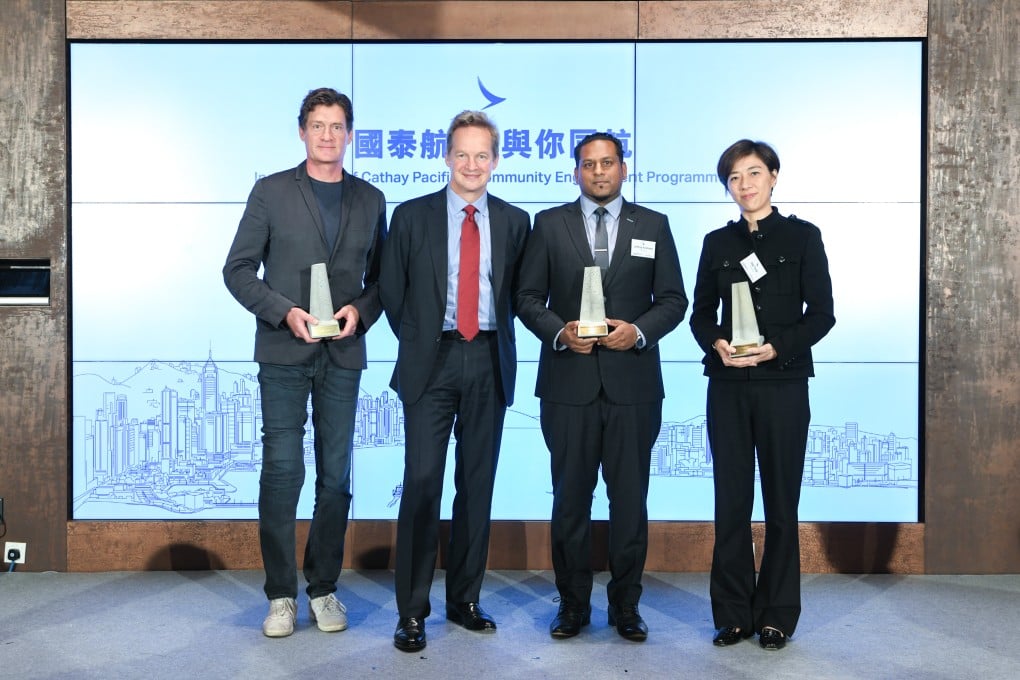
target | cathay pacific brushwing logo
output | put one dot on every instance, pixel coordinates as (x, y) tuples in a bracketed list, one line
[(493, 99)]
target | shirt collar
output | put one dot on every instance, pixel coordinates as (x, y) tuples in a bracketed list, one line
[(455, 204), (764, 224), (614, 207)]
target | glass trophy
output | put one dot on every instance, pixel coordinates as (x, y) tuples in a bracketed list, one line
[(320, 305), (592, 317), (745, 325)]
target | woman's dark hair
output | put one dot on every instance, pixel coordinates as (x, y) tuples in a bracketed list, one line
[(742, 149)]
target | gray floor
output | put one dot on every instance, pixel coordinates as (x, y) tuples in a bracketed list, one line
[(207, 625)]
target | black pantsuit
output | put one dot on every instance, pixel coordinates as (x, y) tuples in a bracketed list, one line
[(769, 418), (760, 411)]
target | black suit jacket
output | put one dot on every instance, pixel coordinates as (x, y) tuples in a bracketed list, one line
[(645, 291), (793, 301), (413, 286), (281, 230)]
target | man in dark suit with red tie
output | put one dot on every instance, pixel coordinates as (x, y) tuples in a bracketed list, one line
[(447, 283), (601, 398)]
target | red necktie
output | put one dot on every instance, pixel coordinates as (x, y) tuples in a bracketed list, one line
[(467, 278)]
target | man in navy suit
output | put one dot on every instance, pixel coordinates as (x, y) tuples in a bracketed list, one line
[(448, 277), (601, 398), (313, 213)]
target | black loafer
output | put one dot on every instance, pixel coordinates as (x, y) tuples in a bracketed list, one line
[(771, 638), (730, 635), (628, 622), (410, 634), (569, 621), (471, 616)]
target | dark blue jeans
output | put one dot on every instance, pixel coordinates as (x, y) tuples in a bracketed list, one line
[(285, 391)]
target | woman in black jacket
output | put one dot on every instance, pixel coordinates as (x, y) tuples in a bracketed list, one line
[(758, 392)]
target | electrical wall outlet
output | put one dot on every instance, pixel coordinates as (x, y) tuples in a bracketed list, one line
[(17, 547)]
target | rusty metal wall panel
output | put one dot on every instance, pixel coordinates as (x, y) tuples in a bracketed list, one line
[(972, 418), (716, 19), (488, 19), (502, 20), (33, 225), (209, 19)]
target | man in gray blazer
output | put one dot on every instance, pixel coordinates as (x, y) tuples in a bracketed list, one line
[(448, 276), (314, 213), (601, 398)]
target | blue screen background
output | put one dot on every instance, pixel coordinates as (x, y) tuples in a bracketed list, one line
[(168, 139)]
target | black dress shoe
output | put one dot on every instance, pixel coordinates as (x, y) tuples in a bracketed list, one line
[(628, 622), (471, 616), (730, 635), (410, 634), (569, 621), (771, 638)]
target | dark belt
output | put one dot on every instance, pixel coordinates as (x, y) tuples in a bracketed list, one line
[(456, 335)]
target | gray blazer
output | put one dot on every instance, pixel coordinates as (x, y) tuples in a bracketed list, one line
[(281, 231)]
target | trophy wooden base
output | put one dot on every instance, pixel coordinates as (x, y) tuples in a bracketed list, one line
[(743, 350), (592, 330), (324, 329)]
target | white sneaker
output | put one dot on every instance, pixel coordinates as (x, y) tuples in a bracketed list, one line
[(281, 618), (328, 613)]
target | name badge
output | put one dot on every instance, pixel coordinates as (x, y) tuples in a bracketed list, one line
[(753, 267), (639, 248)]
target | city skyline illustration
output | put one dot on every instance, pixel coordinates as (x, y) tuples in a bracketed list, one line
[(181, 439)]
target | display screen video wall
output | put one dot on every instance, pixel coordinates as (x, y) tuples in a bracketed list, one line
[(167, 140)]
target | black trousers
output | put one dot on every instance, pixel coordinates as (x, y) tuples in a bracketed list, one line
[(619, 438), (769, 418), (463, 395)]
